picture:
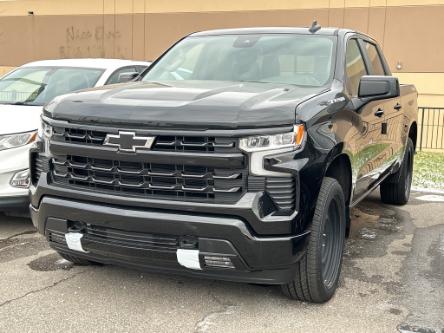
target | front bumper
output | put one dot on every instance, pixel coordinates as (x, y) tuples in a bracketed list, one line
[(12, 161), (13, 203), (125, 236)]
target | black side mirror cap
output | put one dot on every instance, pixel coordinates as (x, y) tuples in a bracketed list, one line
[(126, 77), (375, 87)]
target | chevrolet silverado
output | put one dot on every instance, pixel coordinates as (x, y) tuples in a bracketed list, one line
[(237, 156)]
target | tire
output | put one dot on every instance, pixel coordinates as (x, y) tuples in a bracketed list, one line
[(317, 273), (75, 260), (395, 190)]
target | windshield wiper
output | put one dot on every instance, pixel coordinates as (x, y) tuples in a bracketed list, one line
[(12, 103), (16, 103)]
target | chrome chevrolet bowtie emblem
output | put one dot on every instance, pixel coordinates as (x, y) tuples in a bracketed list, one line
[(128, 141)]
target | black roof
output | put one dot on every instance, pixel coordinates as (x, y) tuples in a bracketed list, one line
[(271, 30)]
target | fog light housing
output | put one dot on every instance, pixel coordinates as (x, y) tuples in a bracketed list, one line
[(21, 179), (218, 261)]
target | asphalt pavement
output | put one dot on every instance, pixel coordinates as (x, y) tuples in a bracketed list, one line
[(392, 281)]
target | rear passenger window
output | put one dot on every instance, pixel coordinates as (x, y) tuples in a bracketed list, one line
[(355, 66), (375, 59)]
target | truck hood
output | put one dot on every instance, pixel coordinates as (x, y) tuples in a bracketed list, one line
[(19, 118), (184, 104)]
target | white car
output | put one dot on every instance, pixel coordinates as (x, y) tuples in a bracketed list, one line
[(24, 91)]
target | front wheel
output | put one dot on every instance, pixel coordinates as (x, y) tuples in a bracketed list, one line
[(318, 271)]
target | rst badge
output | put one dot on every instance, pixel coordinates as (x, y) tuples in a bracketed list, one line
[(129, 141)]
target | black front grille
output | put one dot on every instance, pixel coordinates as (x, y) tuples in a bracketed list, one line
[(180, 178), (190, 143), (174, 181), (134, 240), (80, 136), (162, 142)]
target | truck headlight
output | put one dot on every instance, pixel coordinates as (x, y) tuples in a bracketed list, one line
[(44, 131), (276, 141), (17, 140), (45, 135)]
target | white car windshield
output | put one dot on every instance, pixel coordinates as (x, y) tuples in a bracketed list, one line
[(304, 60), (39, 85)]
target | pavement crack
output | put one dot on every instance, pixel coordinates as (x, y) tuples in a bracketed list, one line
[(204, 324), (36, 291), (208, 320), (27, 232)]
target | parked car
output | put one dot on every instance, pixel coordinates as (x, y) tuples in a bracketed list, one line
[(24, 91), (237, 157)]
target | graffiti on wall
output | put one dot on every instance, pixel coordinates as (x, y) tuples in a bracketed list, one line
[(95, 42)]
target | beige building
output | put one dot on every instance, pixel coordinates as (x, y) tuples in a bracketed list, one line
[(410, 31)]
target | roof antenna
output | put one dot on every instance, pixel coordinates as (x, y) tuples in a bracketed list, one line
[(314, 27)]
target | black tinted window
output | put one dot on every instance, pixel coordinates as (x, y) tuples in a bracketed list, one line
[(355, 66), (375, 59)]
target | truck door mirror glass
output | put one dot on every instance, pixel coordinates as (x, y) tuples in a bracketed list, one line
[(128, 76), (375, 87)]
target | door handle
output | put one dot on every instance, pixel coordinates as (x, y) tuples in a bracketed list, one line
[(379, 113), (397, 107)]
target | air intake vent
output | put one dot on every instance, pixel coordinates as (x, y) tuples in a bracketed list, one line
[(282, 190), (39, 164)]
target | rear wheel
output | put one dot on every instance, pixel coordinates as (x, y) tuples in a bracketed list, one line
[(318, 271), (395, 189)]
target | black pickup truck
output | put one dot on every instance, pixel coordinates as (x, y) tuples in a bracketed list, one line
[(236, 156)]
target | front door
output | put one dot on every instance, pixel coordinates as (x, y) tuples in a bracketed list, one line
[(369, 148), (394, 120)]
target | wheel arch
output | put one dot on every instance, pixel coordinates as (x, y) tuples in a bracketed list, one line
[(339, 167)]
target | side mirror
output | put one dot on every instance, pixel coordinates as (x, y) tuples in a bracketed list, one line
[(126, 77), (375, 87)]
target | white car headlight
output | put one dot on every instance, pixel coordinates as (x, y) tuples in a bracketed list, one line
[(276, 141), (17, 140)]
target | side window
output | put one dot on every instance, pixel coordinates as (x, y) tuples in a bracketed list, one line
[(375, 59), (355, 66), (114, 78)]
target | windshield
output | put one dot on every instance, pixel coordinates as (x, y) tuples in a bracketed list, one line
[(39, 85), (304, 60)]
